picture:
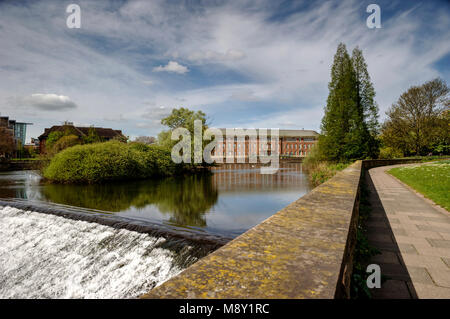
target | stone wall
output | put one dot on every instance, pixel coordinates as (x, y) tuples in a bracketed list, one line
[(303, 251)]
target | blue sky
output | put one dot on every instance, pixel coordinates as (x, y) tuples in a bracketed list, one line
[(244, 63)]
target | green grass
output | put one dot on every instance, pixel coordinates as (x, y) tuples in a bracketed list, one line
[(427, 158), (431, 179), (433, 158)]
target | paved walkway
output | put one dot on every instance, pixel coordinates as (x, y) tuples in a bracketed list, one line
[(414, 237)]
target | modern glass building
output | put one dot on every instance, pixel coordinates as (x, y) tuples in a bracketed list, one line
[(19, 129), (20, 132)]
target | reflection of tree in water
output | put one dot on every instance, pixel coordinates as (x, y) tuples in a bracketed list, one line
[(186, 199)]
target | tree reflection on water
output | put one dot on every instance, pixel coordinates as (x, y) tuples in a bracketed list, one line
[(186, 199), (234, 198)]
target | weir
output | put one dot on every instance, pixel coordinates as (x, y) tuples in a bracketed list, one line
[(208, 241), (47, 256), (303, 251)]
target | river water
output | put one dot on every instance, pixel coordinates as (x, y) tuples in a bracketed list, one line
[(48, 256)]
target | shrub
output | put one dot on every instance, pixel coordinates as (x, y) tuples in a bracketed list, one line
[(109, 161), (62, 143), (319, 169), (314, 157), (390, 152), (442, 149)]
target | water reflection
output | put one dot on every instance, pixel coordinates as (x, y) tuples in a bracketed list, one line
[(185, 200), (231, 200)]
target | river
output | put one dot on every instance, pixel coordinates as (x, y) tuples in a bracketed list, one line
[(50, 256)]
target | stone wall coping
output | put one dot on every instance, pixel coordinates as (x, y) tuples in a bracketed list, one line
[(299, 252)]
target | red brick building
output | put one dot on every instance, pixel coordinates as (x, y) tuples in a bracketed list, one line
[(290, 143)]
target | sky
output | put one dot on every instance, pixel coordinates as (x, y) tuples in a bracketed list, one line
[(245, 63)]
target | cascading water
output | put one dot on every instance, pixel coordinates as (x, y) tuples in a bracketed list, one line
[(47, 256), (119, 240)]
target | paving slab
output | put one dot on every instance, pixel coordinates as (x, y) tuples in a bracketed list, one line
[(420, 233)]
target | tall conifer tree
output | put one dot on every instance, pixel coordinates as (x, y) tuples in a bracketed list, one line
[(366, 105), (350, 123), (341, 103)]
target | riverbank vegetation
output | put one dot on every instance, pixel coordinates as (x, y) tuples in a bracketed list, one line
[(319, 169), (109, 161), (71, 159), (430, 179)]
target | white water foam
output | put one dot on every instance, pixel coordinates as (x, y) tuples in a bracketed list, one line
[(47, 256)]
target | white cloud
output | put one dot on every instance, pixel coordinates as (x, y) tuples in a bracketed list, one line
[(213, 56), (119, 118), (173, 67), (156, 113), (244, 95), (145, 125), (45, 102), (150, 118), (241, 61), (294, 119)]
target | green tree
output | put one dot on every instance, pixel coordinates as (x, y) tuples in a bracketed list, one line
[(7, 143), (92, 137), (60, 140), (418, 122), (341, 104), (366, 106), (148, 140), (184, 118), (65, 142), (164, 139), (442, 143), (350, 123), (52, 138)]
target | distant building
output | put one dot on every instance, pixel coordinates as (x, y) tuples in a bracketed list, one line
[(105, 134), (291, 143), (18, 129), (33, 146)]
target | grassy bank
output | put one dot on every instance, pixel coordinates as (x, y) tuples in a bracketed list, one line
[(424, 159), (320, 172), (432, 180), (109, 161)]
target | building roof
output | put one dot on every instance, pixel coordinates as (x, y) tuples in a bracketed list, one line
[(301, 133), (82, 131), (287, 133)]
